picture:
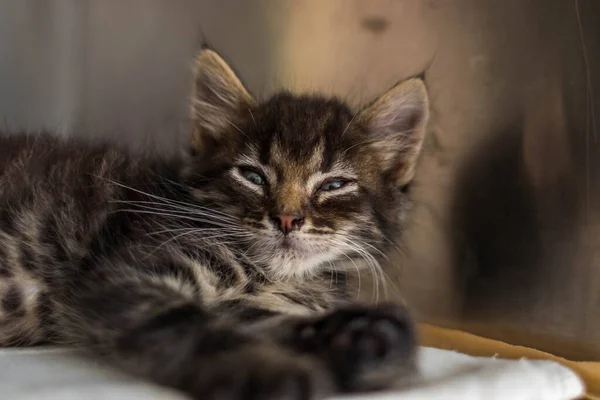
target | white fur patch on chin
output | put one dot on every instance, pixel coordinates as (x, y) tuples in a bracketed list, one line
[(296, 256), (286, 266)]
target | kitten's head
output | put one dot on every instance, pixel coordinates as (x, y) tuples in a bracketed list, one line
[(307, 180)]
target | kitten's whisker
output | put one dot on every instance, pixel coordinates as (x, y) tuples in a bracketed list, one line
[(189, 229), (251, 248), (236, 127), (164, 214), (373, 270), (381, 275), (160, 198), (176, 237), (397, 248), (145, 205), (355, 266), (331, 272), (132, 188), (362, 242), (201, 231), (372, 264), (252, 115), (177, 212), (192, 208), (214, 219), (349, 123)]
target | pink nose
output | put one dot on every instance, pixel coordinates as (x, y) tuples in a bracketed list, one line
[(288, 223)]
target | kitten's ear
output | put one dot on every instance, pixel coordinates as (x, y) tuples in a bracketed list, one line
[(219, 97), (396, 123)]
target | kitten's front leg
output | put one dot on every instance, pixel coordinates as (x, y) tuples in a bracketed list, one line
[(212, 360), (152, 329), (363, 347)]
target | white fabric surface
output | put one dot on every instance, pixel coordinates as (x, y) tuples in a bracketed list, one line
[(58, 374)]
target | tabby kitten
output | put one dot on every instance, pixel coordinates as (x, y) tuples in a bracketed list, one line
[(222, 273)]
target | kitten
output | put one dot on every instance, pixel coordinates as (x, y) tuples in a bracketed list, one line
[(220, 274)]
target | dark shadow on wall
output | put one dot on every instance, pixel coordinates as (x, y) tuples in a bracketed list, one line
[(496, 234), (518, 243)]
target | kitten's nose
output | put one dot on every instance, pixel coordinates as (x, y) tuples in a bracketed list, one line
[(288, 223)]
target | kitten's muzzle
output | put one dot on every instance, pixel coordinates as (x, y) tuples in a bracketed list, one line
[(288, 223)]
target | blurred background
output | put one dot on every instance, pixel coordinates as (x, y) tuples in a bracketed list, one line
[(505, 239)]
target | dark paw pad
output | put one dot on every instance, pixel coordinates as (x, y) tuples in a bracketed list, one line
[(360, 341)]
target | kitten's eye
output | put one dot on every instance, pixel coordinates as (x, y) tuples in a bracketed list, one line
[(333, 185), (253, 177)]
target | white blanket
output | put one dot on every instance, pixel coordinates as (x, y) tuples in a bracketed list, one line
[(58, 374)]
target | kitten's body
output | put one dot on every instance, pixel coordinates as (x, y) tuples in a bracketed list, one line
[(67, 205), (222, 273)]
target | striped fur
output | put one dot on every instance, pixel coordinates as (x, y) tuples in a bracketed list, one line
[(178, 269)]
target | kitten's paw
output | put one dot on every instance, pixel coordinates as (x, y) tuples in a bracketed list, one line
[(262, 373), (366, 347)]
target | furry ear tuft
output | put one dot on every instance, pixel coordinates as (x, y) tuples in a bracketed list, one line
[(396, 122), (218, 98)]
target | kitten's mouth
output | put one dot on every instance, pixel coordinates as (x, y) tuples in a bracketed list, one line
[(286, 243), (291, 246)]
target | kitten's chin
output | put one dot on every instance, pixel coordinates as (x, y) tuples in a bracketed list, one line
[(291, 256), (290, 265)]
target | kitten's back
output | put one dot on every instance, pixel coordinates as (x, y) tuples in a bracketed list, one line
[(55, 195)]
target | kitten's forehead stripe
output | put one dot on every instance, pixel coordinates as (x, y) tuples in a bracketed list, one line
[(301, 141), (300, 125), (301, 136)]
